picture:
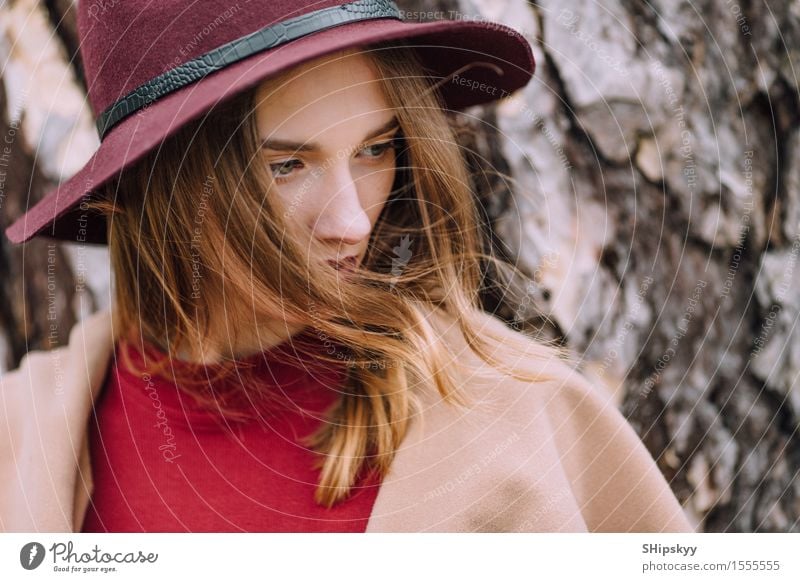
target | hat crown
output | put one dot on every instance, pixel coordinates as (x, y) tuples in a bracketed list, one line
[(124, 44)]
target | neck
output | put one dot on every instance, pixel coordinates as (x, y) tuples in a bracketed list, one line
[(242, 343)]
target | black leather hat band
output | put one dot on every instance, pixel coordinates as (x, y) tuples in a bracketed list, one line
[(241, 48)]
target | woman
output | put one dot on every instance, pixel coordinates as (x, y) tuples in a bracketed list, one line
[(296, 341)]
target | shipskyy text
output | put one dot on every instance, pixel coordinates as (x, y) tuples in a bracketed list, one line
[(664, 550)]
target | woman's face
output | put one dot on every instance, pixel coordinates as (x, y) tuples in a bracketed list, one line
[(326, 137)]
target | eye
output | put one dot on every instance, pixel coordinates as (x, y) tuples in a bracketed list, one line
[(282, 170), (377, 150)]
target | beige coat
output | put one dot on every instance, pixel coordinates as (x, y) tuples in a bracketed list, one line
[(530, 457)]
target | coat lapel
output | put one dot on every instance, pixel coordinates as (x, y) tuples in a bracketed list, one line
[(46, 406), (491, 467)]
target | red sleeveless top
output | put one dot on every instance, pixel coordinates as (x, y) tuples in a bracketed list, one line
[(162, 462)]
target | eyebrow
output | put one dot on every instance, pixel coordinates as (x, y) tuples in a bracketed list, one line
[(288, 145)]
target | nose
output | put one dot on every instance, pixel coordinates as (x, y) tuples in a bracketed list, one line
[(342, 221)]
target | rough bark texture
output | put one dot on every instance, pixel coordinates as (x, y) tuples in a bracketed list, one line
[(647, 180)]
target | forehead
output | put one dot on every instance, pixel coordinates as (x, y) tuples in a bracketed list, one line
[(341, 89)]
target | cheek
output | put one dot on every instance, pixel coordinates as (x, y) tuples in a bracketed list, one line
[(376, 189), (291, 199), (299, 199)]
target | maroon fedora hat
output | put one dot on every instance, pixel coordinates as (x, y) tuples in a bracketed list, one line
[(151, 66)]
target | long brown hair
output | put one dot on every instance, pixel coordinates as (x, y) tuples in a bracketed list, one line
[(193, 223)]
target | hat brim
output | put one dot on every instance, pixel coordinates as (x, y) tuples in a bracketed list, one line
[(444, 46)]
